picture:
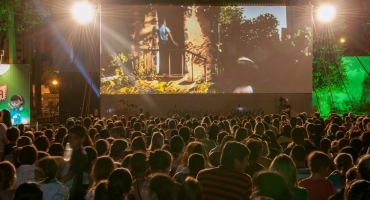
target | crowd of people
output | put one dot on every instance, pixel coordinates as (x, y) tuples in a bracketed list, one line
[(277, 157)]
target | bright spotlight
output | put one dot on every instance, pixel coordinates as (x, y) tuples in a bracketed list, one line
[(83, 12), (326, 13), (55, 82), (342, 40)]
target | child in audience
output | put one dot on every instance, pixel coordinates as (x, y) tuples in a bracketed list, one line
[(7, 180), (53, 189), (27, 171), (319, 188), (12, 134)]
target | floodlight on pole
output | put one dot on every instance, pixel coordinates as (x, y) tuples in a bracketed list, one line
[(326, 13), (83, 12)]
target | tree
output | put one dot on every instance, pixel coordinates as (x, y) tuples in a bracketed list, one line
[(19, 16)]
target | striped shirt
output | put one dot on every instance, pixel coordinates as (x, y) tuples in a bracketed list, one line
[(224, 183)]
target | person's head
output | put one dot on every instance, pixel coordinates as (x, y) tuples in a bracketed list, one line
[(42, 143), (192, 189), (157, 141), (185, 133), (235, 155), (286, 167), (29, 191), (138, 163), (343, 162), (30, 135), (77, 136), (319, 163), (255, 148), (351, 151), (49, 167), (118, 148), (364, 167), (286, 130), (138, 144), (50, 134), (101, 191), (102, 168), (325, 145), (104, 134), (356, 143), (27, 155), (271, 184), (102, 147), (114, 133), (56, 149), (213, 131), (12, 134), (200, 132), (298, 154), (62, 131), (159, 161), (177, 144), (119, 184), (357, 190), (220, 136), (196, 162), (163, 187), (298, 136), (5, 117), (241, 134), (92, 154), (351, 174), (23, 141), (7, 176), (259, 128)]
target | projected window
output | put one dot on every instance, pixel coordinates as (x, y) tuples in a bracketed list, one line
[(205, 49)]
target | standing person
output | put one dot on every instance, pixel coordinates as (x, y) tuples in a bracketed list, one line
[(164, 38), (77, 136), (234, 160), (285, 107)]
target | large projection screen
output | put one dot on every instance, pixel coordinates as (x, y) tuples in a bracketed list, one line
[(195, 49)]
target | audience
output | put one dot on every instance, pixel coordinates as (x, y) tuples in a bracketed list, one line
[(177, 158)]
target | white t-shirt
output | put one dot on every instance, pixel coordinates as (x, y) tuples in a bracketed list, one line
[(25, 173), (55, 190)]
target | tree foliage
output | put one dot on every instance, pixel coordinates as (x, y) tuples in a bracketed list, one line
[(28, 14)]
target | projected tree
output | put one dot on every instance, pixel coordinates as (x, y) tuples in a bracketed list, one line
[(18, 16)]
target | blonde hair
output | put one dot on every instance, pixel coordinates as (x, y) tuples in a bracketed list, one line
[(286, 167)]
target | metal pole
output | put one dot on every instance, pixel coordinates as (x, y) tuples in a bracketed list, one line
[(182, 64), (192, 69), (169, 63)]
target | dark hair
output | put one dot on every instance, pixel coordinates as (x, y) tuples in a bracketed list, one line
[(104, 134), (298, 153), (138, 144), (50, 168), (255, 148), (92, 132), (79, 130), (62, 131), (29, 191), (220, 136), (117, 148), (358, 189), (184, 132), (101, 191), (49, 133), (7, 175), (231, 151), (27, 155), (318, 160), (241, 134), (56, 149), (351, 151), (119, 184), (196, 162), (126, 161), (159, 161), (138, 162), (42, 154), (357, 144), (271, 184), (213, 131), (12, 134), (42, 143), (177, 145), (363, 167), (193, 189), (101, 147), (7, 119), (102, 168), (164, 187), (91, 156), (30, 135)]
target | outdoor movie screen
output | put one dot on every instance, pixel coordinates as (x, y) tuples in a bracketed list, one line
[(185, 49)]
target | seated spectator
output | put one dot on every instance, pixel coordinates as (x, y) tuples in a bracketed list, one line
[(200, 135), (56, 149), (138, 166), (161, 186), (12, 134), (196, 163), (27, 171), (29, 191), (343, 162), (320, 167), (255, 148), (177, 146), (159, 162), (7, 180), (53, 189), (298, 155), (357, 190), (156, 142), (138, 144), (118, 149), (101, 191), (364, 168), (192, 189), (234, 160), (193, 147), (285, 137), (42, 143), (50, 135), (220, 137), (286, 167), (272, 185), (102, 147)]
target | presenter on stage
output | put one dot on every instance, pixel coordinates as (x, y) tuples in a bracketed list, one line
[(285, 107), (165, 41)]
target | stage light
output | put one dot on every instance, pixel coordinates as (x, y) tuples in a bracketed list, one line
[(326, 13), (55, 82), (83, 12), (342, 40)]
